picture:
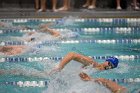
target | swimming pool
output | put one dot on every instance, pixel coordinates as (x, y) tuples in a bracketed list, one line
[(97, 37)]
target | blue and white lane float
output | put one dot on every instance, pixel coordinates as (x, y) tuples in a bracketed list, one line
[(41, 59), (110, 20), (25, 83), (4, 31), (113, 41), (101, 30), (45, 83), (90, 21)]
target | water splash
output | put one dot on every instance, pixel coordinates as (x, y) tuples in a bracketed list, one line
[(123, 68), (41, 44), (67, 21), (68, 34), (40, 70), (70, 20), (68, 81), (90, 70)]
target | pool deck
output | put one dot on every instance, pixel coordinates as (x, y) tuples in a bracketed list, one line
[(96, 13)]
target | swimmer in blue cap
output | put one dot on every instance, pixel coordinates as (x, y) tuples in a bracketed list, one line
[(112, 62), (109, 63)]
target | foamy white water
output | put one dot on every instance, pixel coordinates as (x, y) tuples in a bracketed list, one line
[(68, 81)]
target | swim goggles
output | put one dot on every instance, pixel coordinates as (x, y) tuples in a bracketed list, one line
[(110, 66)]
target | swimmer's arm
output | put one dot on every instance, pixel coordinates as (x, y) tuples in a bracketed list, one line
[(45, 25), (73, 56), (76, 57), (16, 46), (113, 86), (51, 31)]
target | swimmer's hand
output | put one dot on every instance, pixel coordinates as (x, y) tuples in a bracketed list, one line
[(85, 77), (56, 34)]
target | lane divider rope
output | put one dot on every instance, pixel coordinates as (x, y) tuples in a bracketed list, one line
[(40, 59), (103, 30), (113, 41), (45, 83), (24, 20)]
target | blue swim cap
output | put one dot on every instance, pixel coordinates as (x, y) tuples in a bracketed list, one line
[(114, 61)]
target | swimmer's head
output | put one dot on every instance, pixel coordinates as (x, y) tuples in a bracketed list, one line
[(33, 39), (59, 22), (112, 62)]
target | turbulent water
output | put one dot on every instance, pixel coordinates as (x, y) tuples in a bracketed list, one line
[(68, 81)]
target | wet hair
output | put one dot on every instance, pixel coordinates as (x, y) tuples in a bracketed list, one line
[(33, 39)]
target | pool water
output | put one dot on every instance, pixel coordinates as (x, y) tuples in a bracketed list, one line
[(95, 37)]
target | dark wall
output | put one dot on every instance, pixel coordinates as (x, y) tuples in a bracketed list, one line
[(16, 3), (74, 3)]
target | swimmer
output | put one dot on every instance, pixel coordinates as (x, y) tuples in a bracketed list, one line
[(53, 32), (12, 50), (66, 33), (32, 36), (112, 86), (45, 29), (109, 63)]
